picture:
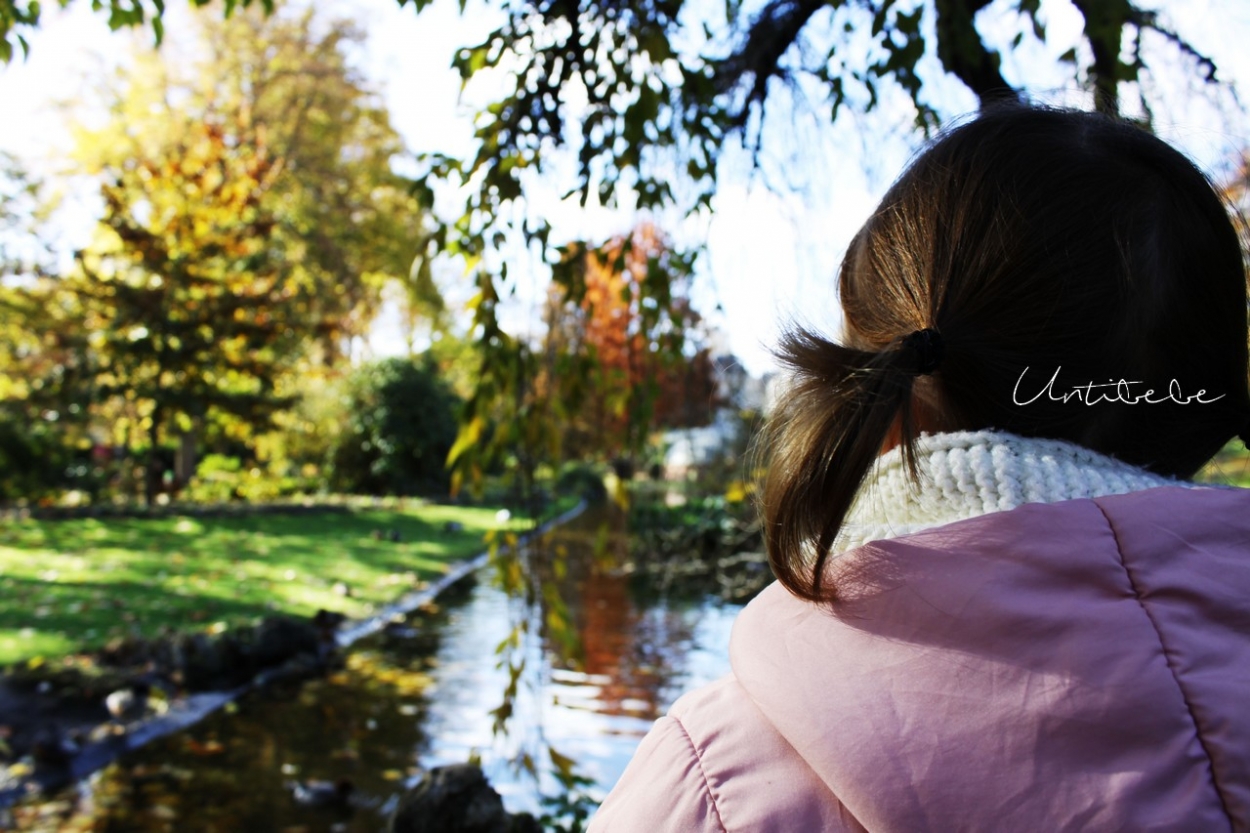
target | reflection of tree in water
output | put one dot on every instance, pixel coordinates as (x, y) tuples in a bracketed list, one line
[(587, 643), (630, 648), (635, 654), (364, 723)]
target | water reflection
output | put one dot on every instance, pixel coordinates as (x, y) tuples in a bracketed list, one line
[(420, 695)]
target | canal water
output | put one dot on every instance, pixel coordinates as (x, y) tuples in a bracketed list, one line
[(428, 691)]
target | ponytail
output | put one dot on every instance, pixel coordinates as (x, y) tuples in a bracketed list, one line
[(823, 438)]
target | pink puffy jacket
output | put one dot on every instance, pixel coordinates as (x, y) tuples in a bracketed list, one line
[(1076, 666)]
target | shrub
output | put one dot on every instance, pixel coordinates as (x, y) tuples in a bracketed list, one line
[(34, 463), (401, 422)]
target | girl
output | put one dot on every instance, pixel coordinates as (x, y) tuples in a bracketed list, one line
[(1000, 606)]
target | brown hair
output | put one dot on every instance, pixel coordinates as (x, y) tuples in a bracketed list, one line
[(1027, 238)]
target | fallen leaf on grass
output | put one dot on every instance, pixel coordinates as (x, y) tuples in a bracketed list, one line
[(211, 747)]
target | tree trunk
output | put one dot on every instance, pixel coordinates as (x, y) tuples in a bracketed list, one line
[(152, 480), (1104, 29), (184, 467)]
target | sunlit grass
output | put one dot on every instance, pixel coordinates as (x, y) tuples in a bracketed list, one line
[(1231, 466), (76, 584)]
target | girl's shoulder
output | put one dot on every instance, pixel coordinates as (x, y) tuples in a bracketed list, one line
[(715, 763)]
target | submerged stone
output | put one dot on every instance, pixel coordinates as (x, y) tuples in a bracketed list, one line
[(457, 799)]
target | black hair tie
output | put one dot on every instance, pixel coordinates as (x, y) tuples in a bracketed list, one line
[(926, 349)]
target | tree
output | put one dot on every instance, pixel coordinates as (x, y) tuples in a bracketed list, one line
[(251, 221), (616, 363), (193, 313), (615, 366), (42, 418), (349, 222)]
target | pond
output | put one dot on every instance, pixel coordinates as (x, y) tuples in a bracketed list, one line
[(426, 692)]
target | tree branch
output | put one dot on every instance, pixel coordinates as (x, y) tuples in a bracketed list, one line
[(771, 35), (1104, 29), (965, 55)]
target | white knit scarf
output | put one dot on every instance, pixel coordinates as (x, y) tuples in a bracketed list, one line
[(971, 473)]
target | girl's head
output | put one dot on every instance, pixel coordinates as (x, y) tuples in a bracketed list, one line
[(1038, 245)]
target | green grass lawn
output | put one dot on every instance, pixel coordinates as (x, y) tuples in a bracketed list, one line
[(71, 585), (1231, 466)]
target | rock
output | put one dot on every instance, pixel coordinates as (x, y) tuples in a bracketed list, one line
[(203, 662), (327, 794), (325, 620), (170, 655), (398, 630), (295, 670), (327, 624), (128, 703), (126, 651), (278, 638), (52, 750), (457, 799)]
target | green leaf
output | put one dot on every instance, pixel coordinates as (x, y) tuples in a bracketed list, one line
[(562, 763), (655, 43), (470, 434)]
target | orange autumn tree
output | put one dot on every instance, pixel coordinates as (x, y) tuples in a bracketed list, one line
[(1236, 191), (623, 353)]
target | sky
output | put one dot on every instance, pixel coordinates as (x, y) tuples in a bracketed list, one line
[(775, 236)]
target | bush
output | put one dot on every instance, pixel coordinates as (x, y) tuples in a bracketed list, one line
[(401, 422), (582, 480), (220, 479), (34, 463)]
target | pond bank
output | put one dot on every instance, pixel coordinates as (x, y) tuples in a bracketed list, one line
[(62, 763)]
